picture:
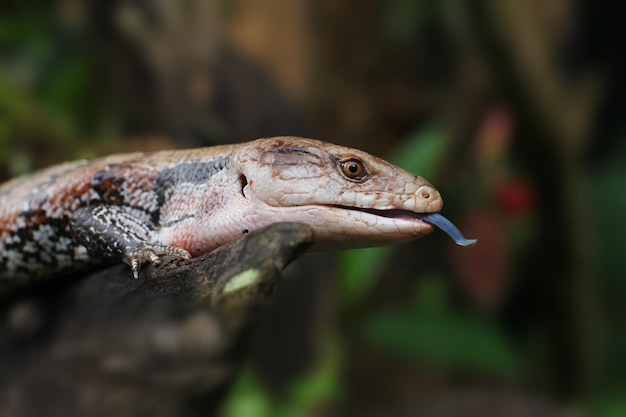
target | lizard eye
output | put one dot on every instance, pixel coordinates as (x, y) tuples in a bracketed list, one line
[(354, 169)]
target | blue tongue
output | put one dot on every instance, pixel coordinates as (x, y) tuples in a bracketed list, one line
[(446, 225)]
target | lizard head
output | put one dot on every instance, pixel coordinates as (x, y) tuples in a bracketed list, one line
[(349, 198)]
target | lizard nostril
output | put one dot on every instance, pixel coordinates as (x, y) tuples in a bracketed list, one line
[(425, 193)]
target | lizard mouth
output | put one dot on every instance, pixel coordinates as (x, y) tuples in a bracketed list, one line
[(433, 219), (390, 213)]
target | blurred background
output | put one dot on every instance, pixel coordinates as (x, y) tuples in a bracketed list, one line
[(513, 109)]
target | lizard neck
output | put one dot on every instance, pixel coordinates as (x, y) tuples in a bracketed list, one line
[(202, 216)]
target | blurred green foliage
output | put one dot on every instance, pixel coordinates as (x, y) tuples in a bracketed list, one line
[(427, 330), (48, 86), (608, 200), (609, 405), (307, 396)]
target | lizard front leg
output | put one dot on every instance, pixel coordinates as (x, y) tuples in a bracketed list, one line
[(109, 232)]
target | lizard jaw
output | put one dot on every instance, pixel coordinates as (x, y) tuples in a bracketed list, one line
[(432, 219)]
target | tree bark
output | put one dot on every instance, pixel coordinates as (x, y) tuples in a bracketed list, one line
[(166, 344)]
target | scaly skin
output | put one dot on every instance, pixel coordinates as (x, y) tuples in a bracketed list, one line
[(137, 207)]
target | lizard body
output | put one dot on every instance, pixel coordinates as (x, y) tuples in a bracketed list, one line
[(137, 207)]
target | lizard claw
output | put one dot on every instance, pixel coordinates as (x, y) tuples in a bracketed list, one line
[(154, 259), (173, 251), (151, 254), (134, 266)]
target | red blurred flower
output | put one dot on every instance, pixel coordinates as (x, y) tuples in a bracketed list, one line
[(516, 197)]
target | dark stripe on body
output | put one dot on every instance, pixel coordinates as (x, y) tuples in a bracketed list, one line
[(185, 173)]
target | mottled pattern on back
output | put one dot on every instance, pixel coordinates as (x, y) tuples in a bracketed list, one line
[(34, 211)]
